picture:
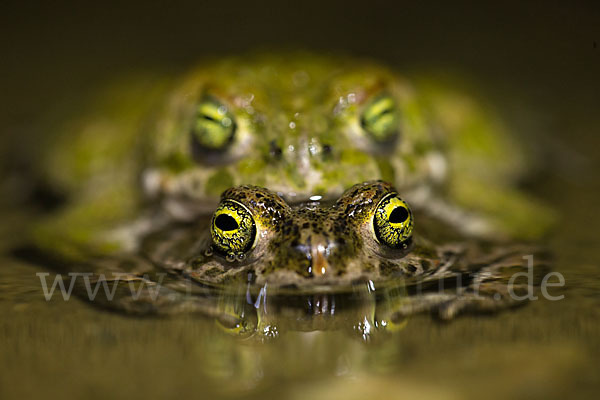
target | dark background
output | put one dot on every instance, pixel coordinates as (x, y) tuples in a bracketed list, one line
[(55, 49), (539, 59)]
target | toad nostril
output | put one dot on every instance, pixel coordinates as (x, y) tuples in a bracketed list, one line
[(274, 150), (301, 248), (327, 152)]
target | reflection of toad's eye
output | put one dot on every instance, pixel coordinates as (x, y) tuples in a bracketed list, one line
[(393, 222), (232, 228), (214, 125), (381, 118)]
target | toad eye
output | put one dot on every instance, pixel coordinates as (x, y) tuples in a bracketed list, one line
[(381, 118), (214, 126), (232, 228), (393, 222)]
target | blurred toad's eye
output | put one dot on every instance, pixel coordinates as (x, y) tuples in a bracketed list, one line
[(381, 118), (232, 228), (214, 126), (393, 222)]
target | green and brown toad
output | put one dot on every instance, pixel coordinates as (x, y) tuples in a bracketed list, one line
[(142, 176), (304, 126)]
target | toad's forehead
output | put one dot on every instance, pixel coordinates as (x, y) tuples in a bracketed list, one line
[(295, 82)]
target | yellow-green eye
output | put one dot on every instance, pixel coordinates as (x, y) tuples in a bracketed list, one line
[(214, 125), (393, 222), (381, 118), (232, 228)]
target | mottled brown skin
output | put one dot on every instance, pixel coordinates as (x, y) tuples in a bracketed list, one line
[(311, 243), (315, 258)]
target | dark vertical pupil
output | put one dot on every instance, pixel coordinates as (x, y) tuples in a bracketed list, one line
[(400, 214), (226, 222)]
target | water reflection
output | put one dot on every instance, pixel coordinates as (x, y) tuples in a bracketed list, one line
[(360, 311), (364, 310)]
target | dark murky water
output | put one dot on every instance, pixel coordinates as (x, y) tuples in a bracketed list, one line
[(540, 75)]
